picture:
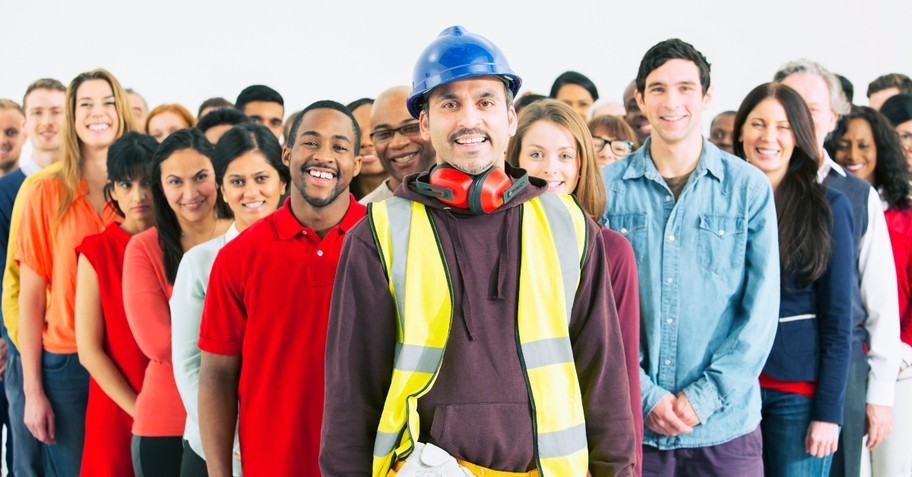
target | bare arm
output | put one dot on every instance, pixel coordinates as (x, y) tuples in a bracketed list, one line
[(90, 332), (218, 409), (39, 417)]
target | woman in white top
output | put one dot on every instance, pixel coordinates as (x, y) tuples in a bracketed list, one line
[(250, 172)]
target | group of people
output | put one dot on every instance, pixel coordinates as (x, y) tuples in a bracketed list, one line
[(453, 279)]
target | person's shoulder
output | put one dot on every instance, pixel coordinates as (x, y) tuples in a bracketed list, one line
[(615, 242), (839, 202), (617, 169), (10, 183), (145, 242), (204, 252)]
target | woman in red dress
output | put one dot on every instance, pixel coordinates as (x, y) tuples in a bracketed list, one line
[(105, 344)]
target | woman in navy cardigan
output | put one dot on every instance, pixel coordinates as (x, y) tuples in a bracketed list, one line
[(803, 383)]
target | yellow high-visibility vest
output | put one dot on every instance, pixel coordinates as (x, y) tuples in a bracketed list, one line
[(553, 240)]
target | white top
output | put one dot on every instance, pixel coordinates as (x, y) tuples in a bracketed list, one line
[(879, 297), (382, 192), (187, 299)]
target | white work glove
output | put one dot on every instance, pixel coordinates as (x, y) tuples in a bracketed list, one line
[(428, 460)]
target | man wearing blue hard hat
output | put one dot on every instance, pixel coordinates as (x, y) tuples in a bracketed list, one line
[(472, 329)]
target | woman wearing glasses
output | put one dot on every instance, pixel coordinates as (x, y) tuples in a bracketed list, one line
[(613, 139), (552, 143)]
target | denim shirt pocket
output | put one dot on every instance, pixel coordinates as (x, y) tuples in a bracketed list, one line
[(633, 227), (721, 243)]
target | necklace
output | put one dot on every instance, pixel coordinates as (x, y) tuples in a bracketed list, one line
[(211, 233)]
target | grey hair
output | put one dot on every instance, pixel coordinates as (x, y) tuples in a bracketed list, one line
[(838, 102)]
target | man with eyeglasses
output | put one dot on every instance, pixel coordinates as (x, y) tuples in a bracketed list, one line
[(397, 139)]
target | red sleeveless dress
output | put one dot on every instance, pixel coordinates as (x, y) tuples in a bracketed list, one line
[(108, 427)]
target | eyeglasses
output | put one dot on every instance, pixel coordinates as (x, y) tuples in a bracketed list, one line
[(618, 146), (385, 135)]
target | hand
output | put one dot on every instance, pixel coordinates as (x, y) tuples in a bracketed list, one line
[(684, 410), (878, 424), (663, 419), (39, 418), (822, 438)]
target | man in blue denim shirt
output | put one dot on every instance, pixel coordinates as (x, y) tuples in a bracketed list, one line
[(703, 227)]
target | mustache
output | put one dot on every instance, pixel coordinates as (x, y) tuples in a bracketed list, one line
[(320, 164), (468, 131)]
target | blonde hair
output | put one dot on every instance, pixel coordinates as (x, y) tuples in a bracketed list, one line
[(72, 160), (175, 108), (590, 190)]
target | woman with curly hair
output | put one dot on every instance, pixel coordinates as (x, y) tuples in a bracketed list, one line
[(866, 144)]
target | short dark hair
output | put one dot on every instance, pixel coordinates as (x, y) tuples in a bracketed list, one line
[(130, 158), (572, 77), (721, 115), (358, 103), (893, 80), (672, 49), (258, 92), (527, 99), (325, 104), (243, 138), (848, 89), (216, 102), (898, 109), (221, 117)]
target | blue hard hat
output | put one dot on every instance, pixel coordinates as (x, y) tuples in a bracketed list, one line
[(457, 54)]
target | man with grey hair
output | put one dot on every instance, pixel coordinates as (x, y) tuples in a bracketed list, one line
[(875, 302)]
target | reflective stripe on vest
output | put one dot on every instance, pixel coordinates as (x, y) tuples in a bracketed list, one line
[(553, 241)]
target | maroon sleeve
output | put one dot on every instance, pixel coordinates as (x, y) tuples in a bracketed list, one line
[(600, 363), (360, 345), (625, 286)]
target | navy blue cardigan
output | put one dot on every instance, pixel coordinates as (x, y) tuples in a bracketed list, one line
[(814, 339)]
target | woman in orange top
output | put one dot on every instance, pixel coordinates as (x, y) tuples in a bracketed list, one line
[(59, 211), (189, 210)]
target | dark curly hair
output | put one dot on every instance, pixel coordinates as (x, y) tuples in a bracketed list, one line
[(891, 174)]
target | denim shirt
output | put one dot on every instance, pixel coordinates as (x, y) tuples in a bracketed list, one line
[(709, 286)]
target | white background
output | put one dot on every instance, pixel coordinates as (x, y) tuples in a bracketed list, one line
[(187, 51)]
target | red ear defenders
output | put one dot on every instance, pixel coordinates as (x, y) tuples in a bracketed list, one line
[(481, 193)]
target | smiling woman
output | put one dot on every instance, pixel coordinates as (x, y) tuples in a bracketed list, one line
[(188, 211), (63, 206)]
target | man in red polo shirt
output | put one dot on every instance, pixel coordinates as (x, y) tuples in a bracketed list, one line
[(263, 329)]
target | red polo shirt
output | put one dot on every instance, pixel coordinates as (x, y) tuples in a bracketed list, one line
[(268, 301)]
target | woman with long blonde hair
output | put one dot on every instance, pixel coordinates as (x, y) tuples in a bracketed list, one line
[(59, 211)]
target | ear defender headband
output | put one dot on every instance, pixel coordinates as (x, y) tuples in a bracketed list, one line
[(481, 194)]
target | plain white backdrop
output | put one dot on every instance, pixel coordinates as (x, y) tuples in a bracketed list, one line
[(186, 51)]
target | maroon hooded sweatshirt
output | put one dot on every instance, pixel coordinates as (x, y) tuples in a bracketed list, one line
[(478, 409)]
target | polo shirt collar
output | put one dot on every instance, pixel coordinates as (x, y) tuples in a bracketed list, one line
[(287, 225), (641, 164)]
